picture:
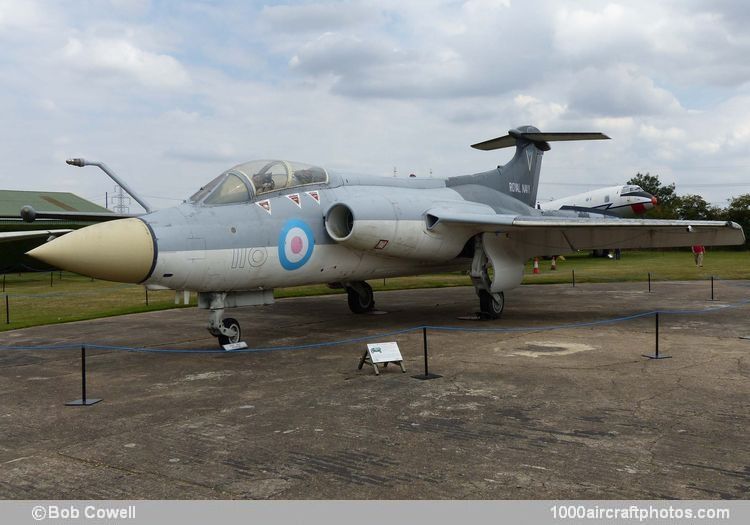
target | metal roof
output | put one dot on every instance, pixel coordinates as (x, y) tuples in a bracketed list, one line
[(11, 202)]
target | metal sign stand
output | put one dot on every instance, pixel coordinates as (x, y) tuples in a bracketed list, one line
[(84, 401), (367, 357)]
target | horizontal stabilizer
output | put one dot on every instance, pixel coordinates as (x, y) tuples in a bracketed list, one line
[(539, 138)]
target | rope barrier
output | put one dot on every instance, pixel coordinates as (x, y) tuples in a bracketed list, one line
[(339, 342)]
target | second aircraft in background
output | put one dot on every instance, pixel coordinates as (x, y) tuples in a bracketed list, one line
[(622, 201)]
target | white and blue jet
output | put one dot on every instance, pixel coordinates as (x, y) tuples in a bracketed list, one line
[(269, 224), (622, 201)]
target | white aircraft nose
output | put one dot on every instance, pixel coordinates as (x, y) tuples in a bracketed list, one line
[(121, 250)]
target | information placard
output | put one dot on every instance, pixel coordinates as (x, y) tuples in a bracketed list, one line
[(384, 352)]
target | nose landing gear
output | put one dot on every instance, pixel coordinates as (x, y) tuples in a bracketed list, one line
[(226, 330)]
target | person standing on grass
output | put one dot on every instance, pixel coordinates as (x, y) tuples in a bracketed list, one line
[(698, 252)]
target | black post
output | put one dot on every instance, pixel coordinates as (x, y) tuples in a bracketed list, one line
[(574, 278), (84, 401), (83, 373), (7, 310), (426, 374), (649, 282), (712, 287), (656, 341), (146, 295), (51, 276)]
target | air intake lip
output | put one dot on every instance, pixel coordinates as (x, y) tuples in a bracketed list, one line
[(339, 222)]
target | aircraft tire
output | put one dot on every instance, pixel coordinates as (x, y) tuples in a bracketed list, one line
[(234, 325), (491, 304), (361, 304)]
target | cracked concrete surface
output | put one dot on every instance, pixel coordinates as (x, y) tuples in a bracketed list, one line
[(516, 415)]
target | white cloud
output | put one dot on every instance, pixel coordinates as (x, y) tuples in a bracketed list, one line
[(118, 57), (619, 91), (170, 94), (19, 15), (317, 17)]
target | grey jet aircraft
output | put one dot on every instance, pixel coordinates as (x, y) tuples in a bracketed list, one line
[(273, 223)]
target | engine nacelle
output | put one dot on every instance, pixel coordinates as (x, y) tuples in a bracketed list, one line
[(353, 224)]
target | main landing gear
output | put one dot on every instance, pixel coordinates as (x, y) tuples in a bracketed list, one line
[(360, 297), (227, 330), (491, 303)]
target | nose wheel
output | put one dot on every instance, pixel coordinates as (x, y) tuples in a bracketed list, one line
[(231, 333), (226, 330), (360, 297)]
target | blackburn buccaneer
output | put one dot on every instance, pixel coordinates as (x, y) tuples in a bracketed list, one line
[(274, 223)]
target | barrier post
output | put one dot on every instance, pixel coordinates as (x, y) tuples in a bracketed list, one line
[(426, 374), (51, 277), (656, 342), (649, 282), (84, 401), (7, 310), (146, 295), (712, 287), (574, 278)]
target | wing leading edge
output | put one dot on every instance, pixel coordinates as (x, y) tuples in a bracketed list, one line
[(30, 234), (554, 235)]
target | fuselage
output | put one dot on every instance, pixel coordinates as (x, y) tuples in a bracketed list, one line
[(622, 201), (267, 224), (279, 238)]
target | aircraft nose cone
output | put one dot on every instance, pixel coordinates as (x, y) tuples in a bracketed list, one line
[(654, 201), (122, 250)]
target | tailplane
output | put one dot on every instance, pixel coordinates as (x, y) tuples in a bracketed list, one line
[(519, 178)]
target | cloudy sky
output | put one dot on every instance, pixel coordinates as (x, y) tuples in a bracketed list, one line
[(171, 93)]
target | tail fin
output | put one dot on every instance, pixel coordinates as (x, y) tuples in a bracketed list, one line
[(519, 178)]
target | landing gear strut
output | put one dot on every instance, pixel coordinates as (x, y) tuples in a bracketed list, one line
[(491, 303), (360, 297), (226, 330)]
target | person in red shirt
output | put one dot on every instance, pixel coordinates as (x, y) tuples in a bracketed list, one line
[(698, 252)]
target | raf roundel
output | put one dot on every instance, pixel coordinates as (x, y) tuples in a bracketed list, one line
[(296, 244)]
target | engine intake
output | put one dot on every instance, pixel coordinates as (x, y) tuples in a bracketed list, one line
[(340, 222), (376, 227)]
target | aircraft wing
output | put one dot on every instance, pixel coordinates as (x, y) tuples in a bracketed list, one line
[(30, 234), (546, 235)]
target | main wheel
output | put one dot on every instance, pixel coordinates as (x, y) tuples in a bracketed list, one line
[(234, 327), (491, 304), (361, 300)]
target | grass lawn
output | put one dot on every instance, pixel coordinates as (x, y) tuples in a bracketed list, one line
[(72, 297)]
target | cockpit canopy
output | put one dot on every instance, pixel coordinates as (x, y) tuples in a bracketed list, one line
[(244, 181), (631, 189)]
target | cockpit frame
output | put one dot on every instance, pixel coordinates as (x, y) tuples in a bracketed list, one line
[(245, 182)]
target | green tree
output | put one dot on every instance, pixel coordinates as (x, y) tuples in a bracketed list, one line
[(695, 208), (739, 212), (667, 199)]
